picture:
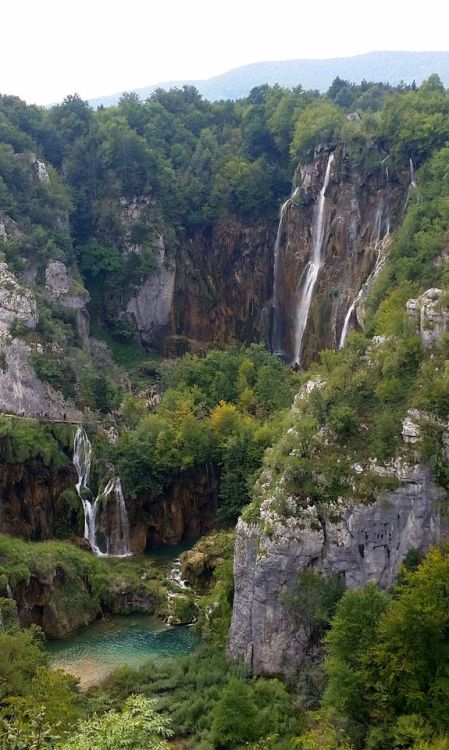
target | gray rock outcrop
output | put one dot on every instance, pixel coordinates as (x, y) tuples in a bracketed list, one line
[(63, 289), (367, 543), (21, 391), (17, 303), (150, 309), (431, 313)]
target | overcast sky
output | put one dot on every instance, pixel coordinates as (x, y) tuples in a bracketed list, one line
[(51, 48)]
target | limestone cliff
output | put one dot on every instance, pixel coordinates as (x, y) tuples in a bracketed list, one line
[(367, 543)]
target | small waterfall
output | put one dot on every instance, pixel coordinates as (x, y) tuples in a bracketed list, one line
[(311, 271), (175, 575), (412, 184), (117, 543), (117, 540), (412, 174), (378, 221), (276, 339), (380, 260), (347, 321)]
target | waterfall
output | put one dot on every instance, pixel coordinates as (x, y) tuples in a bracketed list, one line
[(347, 321), (412, 174), (311, 271), (276, 339), (412, 184), (380, 260), (117, 541), (378, 220), (175, 575)]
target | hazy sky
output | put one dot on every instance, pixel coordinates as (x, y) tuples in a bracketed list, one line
[(51, 48)]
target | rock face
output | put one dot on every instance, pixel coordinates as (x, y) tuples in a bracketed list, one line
[(150, 309), (37, 603), (430, 311), (35, 501), (185, 511), (361, 208), (17, 303), (224, 283), (61, 288), (368, 543), (21, 391)]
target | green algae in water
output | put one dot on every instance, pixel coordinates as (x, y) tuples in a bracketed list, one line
[(95, 652)]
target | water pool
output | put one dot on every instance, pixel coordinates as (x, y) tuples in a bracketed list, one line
[(96, 651)]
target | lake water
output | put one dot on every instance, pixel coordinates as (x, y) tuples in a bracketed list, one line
[(96, 651)]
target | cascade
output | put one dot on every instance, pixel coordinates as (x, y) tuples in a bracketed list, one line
[(412, 183), (117, 542), (276, 340), (175, 575), (412, 174), (380, 260), (311, 271)]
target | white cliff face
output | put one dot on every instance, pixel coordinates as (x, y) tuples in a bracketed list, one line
[(41, 171), (367, 543), (17, 303), (60, 287), (21, 391), (150, 309), (431, 313)]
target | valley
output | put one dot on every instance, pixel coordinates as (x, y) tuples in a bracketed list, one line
[(224, 420)]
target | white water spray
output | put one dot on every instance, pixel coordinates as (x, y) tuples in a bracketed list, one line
[(175, 575), (311, 271), (412, 184), (412, 174), (117, 542)]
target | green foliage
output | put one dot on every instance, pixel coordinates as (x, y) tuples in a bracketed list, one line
[(197, 693), (218, 410), (321, 122), (348, 644), (314, 601), (23, 440), (137, 727), (234, 716)]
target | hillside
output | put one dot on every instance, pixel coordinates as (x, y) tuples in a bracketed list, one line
[(392, 67)]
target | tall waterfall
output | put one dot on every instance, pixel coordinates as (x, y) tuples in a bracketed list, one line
[(276, 339), (117, 539), (311, 271)]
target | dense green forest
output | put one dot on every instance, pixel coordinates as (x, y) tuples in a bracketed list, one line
[(378, 677)]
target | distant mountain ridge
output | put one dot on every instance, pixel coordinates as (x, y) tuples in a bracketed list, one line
[(391, 67)]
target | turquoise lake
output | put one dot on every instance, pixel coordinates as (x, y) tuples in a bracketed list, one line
[(96, 651)]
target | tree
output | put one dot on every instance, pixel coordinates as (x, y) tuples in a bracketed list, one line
[(348, 645), (137, 727), (234, 717)]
